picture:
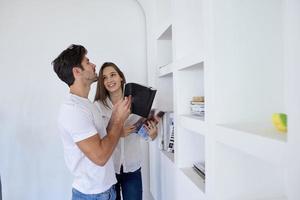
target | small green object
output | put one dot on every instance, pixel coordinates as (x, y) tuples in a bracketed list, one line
[(283, 118), (280, 122)]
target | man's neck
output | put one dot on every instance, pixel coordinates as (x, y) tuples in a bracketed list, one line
[(80, 90)]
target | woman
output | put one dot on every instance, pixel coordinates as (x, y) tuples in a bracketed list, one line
[(127, 155)]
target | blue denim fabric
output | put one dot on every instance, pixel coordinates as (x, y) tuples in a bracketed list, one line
[(130, 184), (109, 194)]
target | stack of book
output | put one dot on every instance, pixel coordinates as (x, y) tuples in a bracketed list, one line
[(197, 106), (166, 132), (199, 167), (171, 139)]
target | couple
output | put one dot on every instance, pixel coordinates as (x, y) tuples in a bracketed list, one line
[(99, 149)]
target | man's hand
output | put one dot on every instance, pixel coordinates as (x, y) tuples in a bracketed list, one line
[(99, 150), (121, 110)]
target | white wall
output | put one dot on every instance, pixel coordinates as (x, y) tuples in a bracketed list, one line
[(32, 34), (292, 53)]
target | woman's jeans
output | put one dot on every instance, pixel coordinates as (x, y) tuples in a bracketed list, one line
[(130, 185), (109, 194)]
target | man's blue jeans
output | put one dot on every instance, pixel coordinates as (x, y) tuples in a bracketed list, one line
[(109, 194), (130, 184)]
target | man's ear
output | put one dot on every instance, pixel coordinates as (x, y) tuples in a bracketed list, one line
[(76, 71)]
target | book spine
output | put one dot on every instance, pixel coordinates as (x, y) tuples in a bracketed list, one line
[(151, 98), (171, 139), (128, 90)]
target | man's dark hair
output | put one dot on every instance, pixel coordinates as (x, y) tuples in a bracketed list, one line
[(67, 60)]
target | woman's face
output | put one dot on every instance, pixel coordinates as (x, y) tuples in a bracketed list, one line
[(111, 79)]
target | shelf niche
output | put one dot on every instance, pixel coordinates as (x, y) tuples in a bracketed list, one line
[(242, 176), (164, 96), (164, 48), (190, 149), (191, 79), (249, 66)]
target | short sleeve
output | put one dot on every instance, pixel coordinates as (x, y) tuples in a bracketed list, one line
[(78, 122)]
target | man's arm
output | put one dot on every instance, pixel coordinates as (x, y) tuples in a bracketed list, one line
[(99, 150)]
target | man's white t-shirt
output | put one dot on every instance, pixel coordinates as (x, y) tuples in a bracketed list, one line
[(128, 152), (80, 119)]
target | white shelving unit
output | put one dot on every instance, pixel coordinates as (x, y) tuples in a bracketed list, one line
[(189, 61), (163, 16), (235, 54), (164, 96), (164, 49), (269, 144), (193, 123), (169, 155), (166, 70), (195, 178), (249, 86), (188, 28), (244, 176)]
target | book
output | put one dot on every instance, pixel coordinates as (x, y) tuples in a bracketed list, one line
[(199, 167), (199, 172), (197, 103), (198, 98), (140, 124), (171, 139), (167, 129), (142, 98)]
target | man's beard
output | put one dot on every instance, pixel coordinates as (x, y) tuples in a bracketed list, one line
[(94, 79)]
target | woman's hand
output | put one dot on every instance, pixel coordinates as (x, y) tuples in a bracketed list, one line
[(152, 129), (128, 130)]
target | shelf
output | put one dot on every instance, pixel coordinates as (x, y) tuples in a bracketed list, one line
[(193, 123), (248, 80), (195, 178), (164, 49), (165, 70), (165, 31), (189, 61), (189, 82), (165, 94), (169, 155), (264, 143)]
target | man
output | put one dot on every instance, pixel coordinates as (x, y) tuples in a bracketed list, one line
[(88, 145)]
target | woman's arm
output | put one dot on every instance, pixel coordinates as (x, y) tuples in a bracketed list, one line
[(151, 128)]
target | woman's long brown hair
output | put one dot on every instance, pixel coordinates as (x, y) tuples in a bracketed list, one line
[(101, 92)]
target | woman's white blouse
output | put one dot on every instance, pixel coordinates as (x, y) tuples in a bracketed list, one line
[(128, 150)]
